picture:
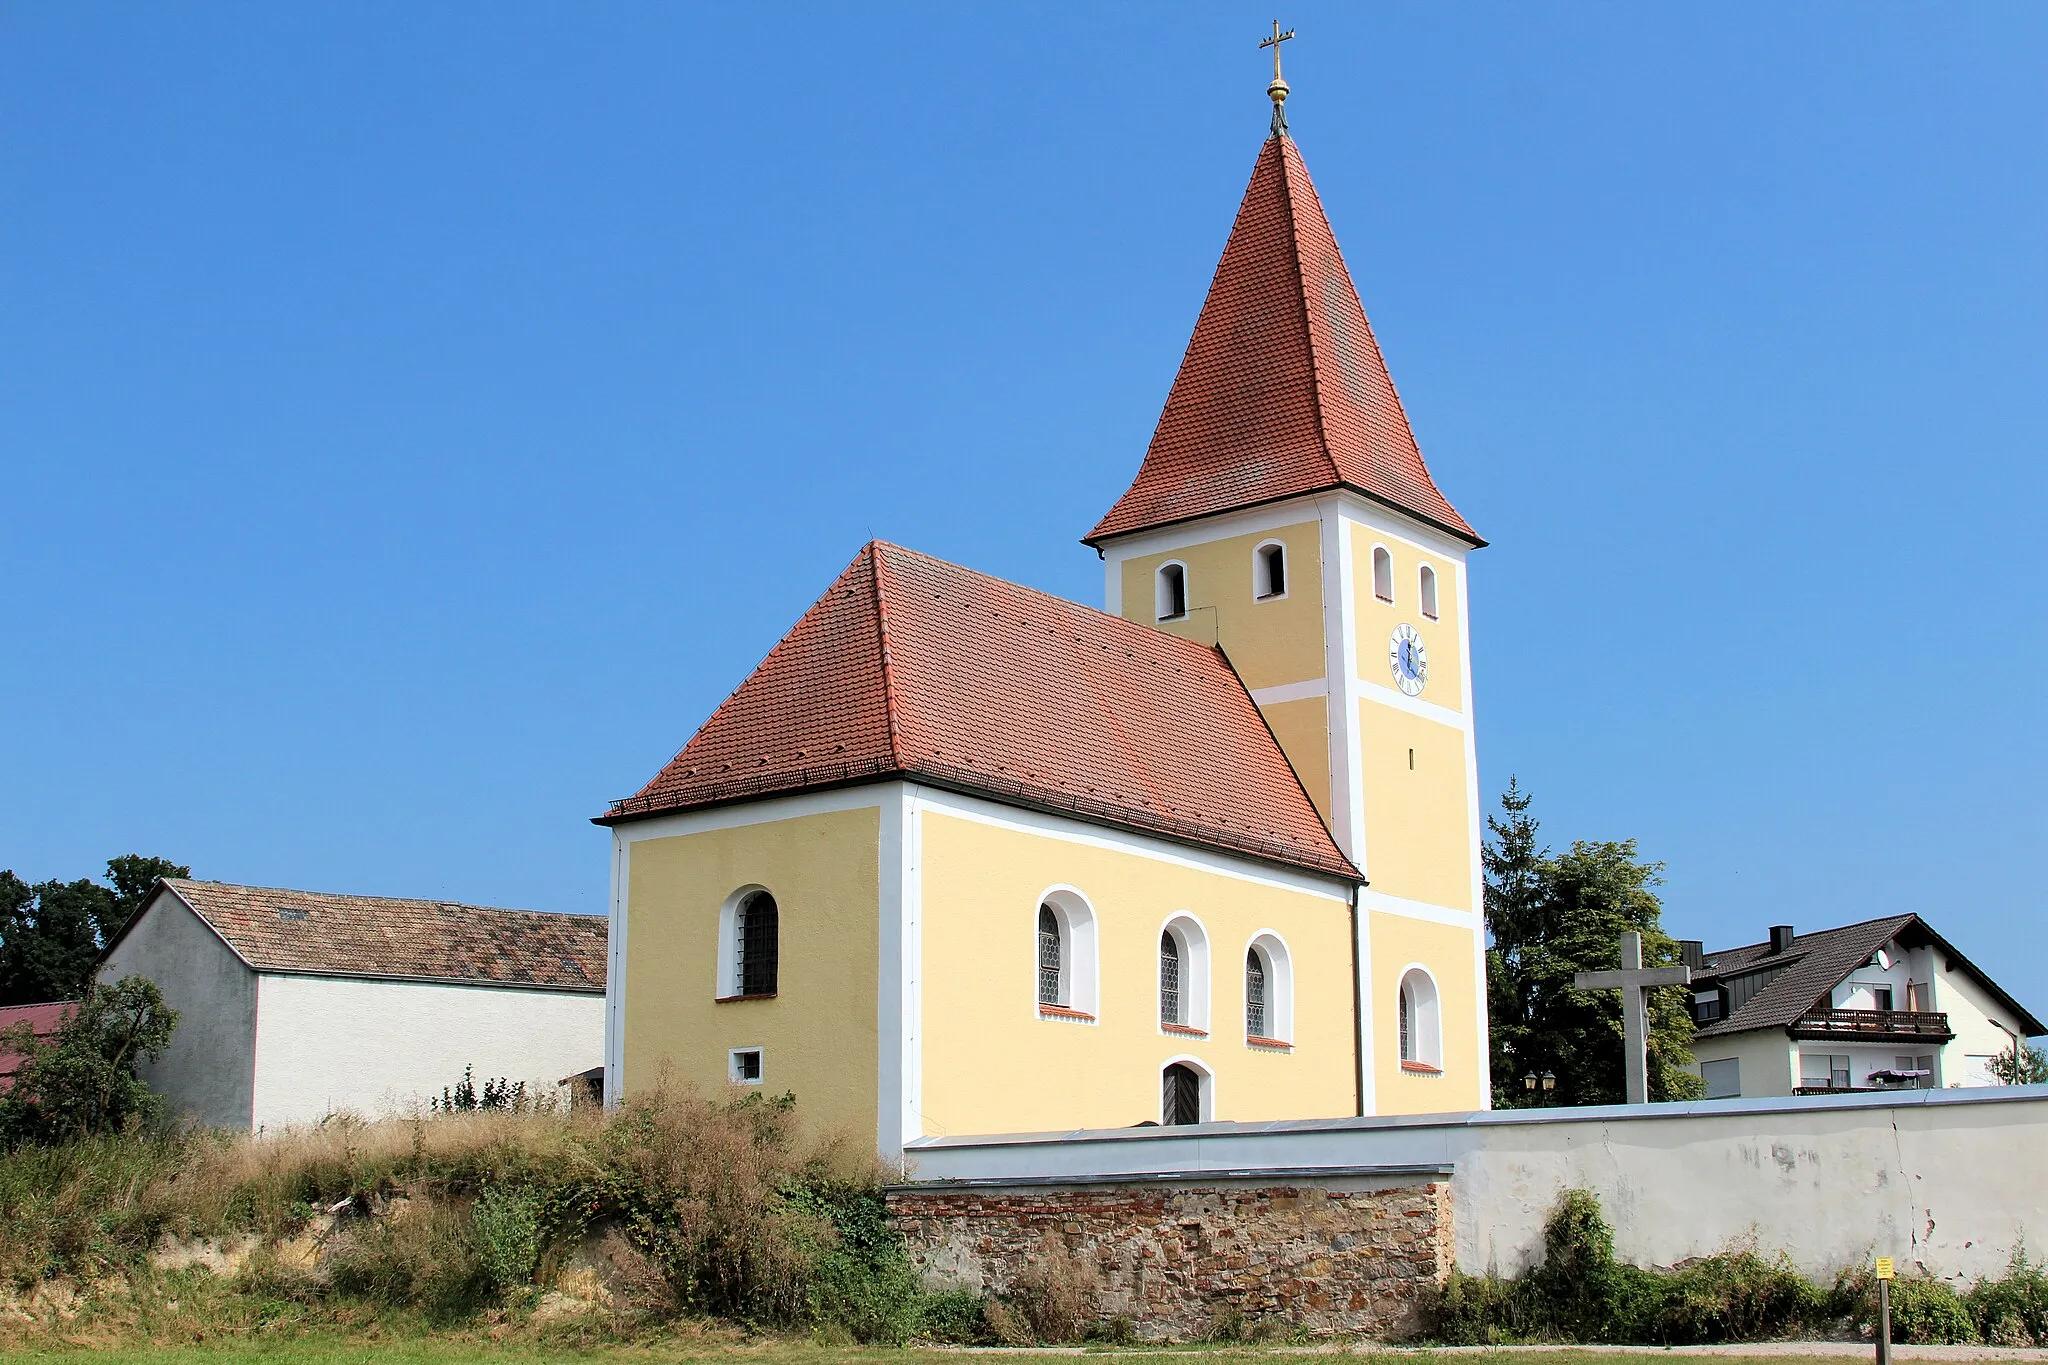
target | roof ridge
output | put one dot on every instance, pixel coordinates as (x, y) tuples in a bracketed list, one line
[(875, 572), (371, 896)]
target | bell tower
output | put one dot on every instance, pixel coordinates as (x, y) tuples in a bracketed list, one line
[(1283, 513)]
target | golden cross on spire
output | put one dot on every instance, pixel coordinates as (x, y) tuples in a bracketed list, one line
[(1277, 91)]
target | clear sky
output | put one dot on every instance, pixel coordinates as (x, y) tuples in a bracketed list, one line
[(414, 419)]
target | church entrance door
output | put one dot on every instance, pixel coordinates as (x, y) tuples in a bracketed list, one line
[(1181, 1100)]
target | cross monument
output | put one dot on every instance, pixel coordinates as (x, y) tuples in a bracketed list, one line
[(1631, 981)]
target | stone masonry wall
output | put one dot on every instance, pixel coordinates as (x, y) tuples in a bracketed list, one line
[(1176, 1259)]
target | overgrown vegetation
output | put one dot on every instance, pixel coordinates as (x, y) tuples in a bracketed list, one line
[(82, 1082), (1581, 1293), (673, 1207)]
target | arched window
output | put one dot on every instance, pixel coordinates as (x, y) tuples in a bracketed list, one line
[(1268, 991), (757, 945), (1172, 591), (1064, 953), (1184, 1094), (1269, 570), (1421, 1027), (1382, 573), (1427, 584), (1183, 976), (1052, 959)]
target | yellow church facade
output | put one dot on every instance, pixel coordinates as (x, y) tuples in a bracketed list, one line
[(959, 857)]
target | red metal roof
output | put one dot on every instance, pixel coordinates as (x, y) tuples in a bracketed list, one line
[(43, 1020), (1283, 390), (912, 667)]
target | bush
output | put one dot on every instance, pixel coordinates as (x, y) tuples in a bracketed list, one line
[(1056, 1293), (955, 1318), (83, 1082), (2012, 1310), (509, 1235), (423, 1257)]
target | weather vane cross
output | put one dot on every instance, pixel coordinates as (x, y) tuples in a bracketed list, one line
[(1277, 91)]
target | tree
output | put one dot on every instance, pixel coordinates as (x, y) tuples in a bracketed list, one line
[(1548, 917), (52, 933), (84, 1081), (2020, 1065)]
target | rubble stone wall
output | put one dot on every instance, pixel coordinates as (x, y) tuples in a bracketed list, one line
[(1181, 1260)]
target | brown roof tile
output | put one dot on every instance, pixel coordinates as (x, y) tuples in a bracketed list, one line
[(316, 932), (1283, 390), (912, 667)]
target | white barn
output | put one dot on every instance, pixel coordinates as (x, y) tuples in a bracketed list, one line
[(294, 1005)]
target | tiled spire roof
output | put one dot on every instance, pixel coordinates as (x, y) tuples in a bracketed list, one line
[(1283, 390), (915, 668)]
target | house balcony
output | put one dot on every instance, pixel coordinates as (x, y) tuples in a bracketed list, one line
[(1875, 1026)]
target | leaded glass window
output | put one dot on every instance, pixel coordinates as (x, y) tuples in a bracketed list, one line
[(1407, 1026), (1050, 957), (1169, 980), (757, 944), (1254, 995)]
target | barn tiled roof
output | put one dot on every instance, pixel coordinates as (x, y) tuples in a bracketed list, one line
[(913, 667), (1816, 963), (420, 940), (1283, 390)]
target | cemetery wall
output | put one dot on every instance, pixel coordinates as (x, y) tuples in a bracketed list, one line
[(1947, 1181)]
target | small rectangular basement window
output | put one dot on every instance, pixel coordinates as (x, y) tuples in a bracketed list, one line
[(744, 1067)]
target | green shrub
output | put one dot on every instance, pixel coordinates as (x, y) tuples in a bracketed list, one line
[(956, 1318), (508, 1230), (1928, 1311), (425, 1258), (2013, 1309)]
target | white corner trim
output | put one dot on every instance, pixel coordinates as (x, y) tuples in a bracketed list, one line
[(1368, 1064), (615, 974), (1414, 706), (1284, 692), (1484, 1060), (766, 810), (897, 1004), (1340, 647), (1206, 530), (1379, 903)]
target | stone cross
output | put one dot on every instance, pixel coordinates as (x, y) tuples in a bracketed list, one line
[(1631, 981)]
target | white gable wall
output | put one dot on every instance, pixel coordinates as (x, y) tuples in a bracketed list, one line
[(1971, 1014), (330, 1044), (208, 1071)]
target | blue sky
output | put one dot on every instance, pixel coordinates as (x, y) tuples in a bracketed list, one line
[(413, 420)]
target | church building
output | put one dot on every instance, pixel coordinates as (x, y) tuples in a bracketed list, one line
[(961, 857)]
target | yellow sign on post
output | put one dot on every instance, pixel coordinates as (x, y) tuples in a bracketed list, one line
[(1884, 1268)]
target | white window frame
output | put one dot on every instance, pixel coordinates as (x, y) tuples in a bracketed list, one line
[(1080, 977), (1426, 590), (1425, 1017), (1262, 581), (1193, 940), (1279, 963), (1206, 1106), (1161, 599), (1383, 557), (732, 1065), (728, 981)]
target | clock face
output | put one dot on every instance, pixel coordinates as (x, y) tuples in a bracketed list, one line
[(1408, 659)]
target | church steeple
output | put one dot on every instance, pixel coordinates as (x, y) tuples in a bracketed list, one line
[(1282, 390)]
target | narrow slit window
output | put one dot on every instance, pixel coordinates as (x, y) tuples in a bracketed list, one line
[(1051, 958), (757, 942), (1382, 573), (1169, 981), (1254, 995), (1173, 591), (1271, 571), (1428, 589)]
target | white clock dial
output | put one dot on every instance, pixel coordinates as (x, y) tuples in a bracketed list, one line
[(1408, 659)]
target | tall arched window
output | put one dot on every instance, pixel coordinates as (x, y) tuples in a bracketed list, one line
[(1052, 959), (1254, 995), (1422, 1046), (1268, 992), (757, 944), (1427, 585), (1172, 591), (1170, 1011), (1269, 570), (1382, 573)]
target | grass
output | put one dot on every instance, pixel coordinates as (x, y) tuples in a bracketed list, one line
[(460, 1351)]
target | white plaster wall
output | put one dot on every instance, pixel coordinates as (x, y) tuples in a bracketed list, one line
[(1945, 1180), (1970, 1014), (331, 1044), (208, 1071), (1769, 1059)]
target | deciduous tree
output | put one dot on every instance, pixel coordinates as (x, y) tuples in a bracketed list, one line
[(52, 933)]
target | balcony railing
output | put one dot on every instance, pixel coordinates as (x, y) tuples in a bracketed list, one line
[(1929, 1024)]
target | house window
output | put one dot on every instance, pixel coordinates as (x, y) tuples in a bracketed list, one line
[(1180, 1095), (1269, 570), (1881, 997), (1706, 1007), (1427, 585), (756, 945), (1421, 1030), (1172, 591), (1254, 995), (743, 1066), (1723, 1078), (1051, 959), (1382, 573), (1169, 981), (1823, 1071)]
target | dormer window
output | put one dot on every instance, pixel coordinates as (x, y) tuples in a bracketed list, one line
[(1427, 586), (1382, 573), (1173, 591), (1269, 571)]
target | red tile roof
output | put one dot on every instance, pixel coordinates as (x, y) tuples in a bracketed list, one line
[(912, 667), (319, 933), (1283, 390), (43, 1022)]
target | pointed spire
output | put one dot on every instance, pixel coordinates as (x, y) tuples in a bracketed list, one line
[(1283, 390)]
